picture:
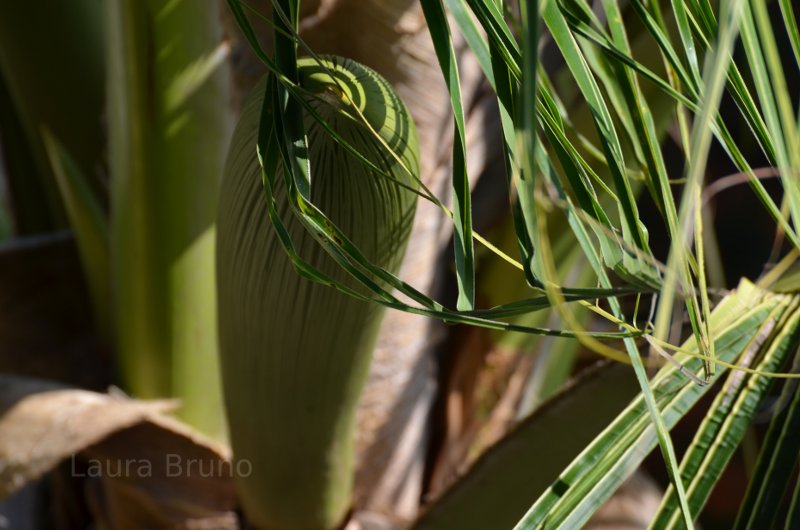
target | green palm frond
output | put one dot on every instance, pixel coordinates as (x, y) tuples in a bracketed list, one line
[(581, 144)]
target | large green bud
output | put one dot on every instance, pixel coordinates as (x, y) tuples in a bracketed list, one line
[(296, 354)]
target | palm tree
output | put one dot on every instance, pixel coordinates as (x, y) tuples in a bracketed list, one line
[(588, 134)]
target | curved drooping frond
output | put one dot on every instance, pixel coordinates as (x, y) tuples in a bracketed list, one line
[(582, 144)]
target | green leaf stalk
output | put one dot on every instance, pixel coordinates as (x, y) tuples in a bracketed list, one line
[(295, 353)]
